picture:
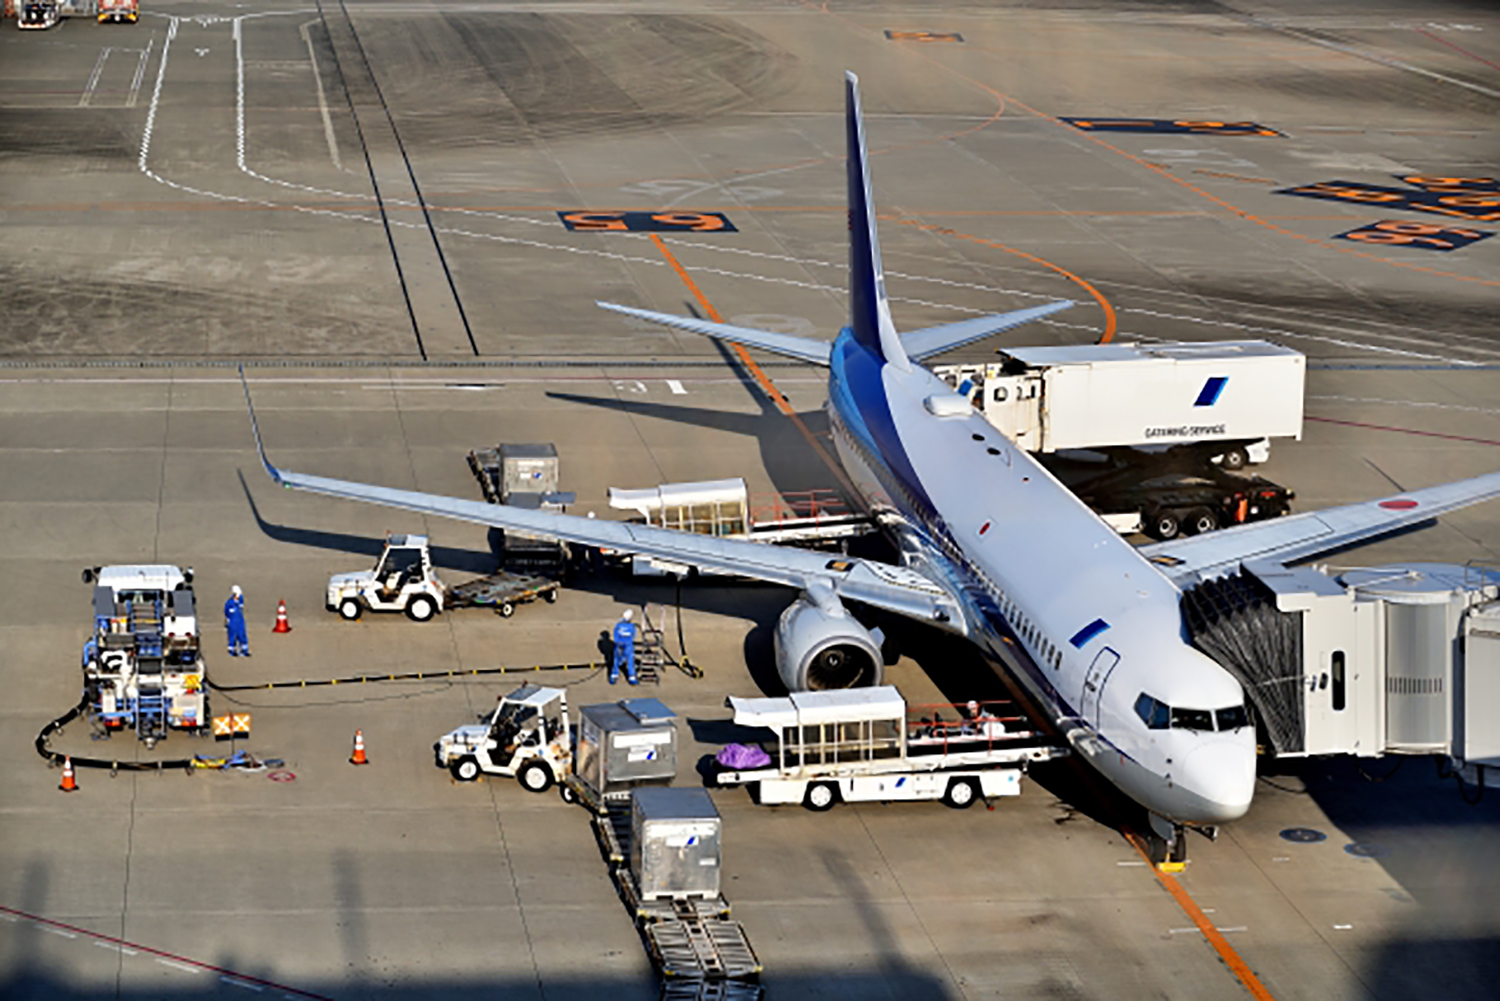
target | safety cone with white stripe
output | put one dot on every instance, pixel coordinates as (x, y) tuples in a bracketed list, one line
[(282, 626), (358, 757), (68, 783)]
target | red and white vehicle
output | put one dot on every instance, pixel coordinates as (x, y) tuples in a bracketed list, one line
[(119, 10)]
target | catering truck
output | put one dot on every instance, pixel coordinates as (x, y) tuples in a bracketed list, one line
[(1231, 397)]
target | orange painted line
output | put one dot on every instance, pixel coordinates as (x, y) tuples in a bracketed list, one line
[(1110, 321), (756, 372), (1215, 938)]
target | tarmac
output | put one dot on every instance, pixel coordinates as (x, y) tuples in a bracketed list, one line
[(362, 204)]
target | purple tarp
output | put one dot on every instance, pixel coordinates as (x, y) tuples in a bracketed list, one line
[(739, 757)]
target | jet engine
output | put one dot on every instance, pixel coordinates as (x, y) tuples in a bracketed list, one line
[(819, 645)]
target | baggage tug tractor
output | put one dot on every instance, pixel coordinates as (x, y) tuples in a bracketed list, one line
[(403, 581), (527, 738)]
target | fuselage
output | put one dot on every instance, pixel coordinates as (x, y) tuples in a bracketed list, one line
[(1050, 593)]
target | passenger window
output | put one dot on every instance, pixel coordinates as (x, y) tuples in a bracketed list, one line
[(1193, 719), (1153, 713), (1233, 718)]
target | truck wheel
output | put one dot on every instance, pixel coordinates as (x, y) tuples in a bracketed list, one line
[(961, 794), (465, 769), (535, 776), (350, 609), (1200, 520), (1164, 525), (820, 796), (550, 597), (1235, 458), (421, 608), (566, 792), (506, 609)]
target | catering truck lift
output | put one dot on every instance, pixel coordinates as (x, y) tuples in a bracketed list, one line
[(863, 744), (1148, 434), (142, 666)]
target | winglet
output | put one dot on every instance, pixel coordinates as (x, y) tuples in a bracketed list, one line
[(869, 311), (271, 470)]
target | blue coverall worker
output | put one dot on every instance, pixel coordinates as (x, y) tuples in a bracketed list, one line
[(624, 637), (234, 623)]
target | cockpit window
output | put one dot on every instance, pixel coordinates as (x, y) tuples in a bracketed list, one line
[(1233, 718), (1192, 719), (1153, 713)]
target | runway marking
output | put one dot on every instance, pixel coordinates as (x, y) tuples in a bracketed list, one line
[(1214, 935), (675, 385), (1169, 126), (623, 220), (1457, 48), (312, 58), (1424, 434), (1110, 320), (160, 955), (88, 90), (756, 372), (1216, 200), (1423, 236)]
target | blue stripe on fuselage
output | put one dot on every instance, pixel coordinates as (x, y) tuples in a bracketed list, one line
[(856, 385)]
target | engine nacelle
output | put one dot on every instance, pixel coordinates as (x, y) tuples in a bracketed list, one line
[(820, 646)]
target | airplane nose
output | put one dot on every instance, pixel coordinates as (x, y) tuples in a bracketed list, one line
[(1222, 776)]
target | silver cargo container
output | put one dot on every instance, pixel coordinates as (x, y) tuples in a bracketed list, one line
[(675, 843), (528, 469), (623, 744)]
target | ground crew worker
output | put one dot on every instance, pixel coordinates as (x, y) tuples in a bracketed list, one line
[(234, 623), (624, 637)]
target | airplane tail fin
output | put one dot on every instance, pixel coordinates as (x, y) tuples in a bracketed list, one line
[(869, 312)]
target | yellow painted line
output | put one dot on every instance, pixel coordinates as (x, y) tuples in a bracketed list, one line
[(756, 372)]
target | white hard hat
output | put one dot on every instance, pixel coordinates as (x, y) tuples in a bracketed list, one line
[(235, 590), (973, 705), (629, 614)]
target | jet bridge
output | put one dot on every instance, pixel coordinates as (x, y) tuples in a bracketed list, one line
[(1401, 659)]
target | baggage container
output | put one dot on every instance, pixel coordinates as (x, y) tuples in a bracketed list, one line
[(675, 843)]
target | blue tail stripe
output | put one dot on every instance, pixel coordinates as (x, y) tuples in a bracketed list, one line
[(863, 268)]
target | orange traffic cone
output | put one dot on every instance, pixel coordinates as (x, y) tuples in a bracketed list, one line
[(282, 626), (69, 783), (358, 757)]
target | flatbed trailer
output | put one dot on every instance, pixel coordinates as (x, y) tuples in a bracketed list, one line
[(501, 591), (691, 940), (865, 744)]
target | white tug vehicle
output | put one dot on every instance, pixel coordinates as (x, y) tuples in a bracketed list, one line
[(527, 738)]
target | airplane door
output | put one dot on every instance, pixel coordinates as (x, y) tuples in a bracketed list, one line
[(1093, 683)]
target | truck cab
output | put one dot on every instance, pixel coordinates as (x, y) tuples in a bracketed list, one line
[(402, 580), (526, 737), (127, 11)]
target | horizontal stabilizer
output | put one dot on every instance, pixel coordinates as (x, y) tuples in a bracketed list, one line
[(1303, 536), (929, 341), (802, 348)]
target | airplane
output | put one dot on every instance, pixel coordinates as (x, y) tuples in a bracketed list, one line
[(992, 548)]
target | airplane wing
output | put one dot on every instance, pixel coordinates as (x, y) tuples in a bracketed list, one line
[(893, 588), (1303, 536), (805, 348), (923, 344)]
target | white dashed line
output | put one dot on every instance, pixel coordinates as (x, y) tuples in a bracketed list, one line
[(675, 385), (179, 966)]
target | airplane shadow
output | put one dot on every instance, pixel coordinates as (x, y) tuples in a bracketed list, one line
[(788, 459), (443, 557)]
